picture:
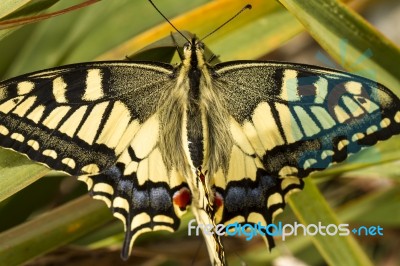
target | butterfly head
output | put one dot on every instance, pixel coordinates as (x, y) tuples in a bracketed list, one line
[(193, 51), (193, 45)]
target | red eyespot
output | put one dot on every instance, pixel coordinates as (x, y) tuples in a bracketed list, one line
[(182, 198)]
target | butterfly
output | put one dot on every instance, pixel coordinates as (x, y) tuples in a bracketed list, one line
[(230, 140)]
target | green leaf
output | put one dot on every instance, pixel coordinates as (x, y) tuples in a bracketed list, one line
[(51, 230), (19, 9), (310, 207), (351, 40), (28, 8), (17, 172), (377, 208), (9, 6)]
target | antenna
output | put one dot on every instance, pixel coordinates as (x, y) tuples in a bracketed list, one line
[(248, 6), (158, 10)]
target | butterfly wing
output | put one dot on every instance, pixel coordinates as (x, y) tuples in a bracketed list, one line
[(288, 120), (99, 121), (140, 189), (79, 118)]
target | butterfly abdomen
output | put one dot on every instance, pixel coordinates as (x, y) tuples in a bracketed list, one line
[(195, 135)]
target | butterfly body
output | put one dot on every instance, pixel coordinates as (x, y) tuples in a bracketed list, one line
[(231, 140)]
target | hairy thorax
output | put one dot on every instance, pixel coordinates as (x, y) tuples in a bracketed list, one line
[(194, 125)]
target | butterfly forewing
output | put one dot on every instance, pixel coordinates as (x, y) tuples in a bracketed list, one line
[(300, 119), (79, 118)]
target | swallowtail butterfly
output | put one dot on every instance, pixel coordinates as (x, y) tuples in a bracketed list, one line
[(230, 140)]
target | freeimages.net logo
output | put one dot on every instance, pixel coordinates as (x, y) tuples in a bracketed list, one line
[(284, 230)]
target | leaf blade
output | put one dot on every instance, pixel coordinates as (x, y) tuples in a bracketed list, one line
[(331, 23), (311, 207)]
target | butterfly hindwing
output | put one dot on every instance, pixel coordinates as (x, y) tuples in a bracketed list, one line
[(249, 194), (141, 192)]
